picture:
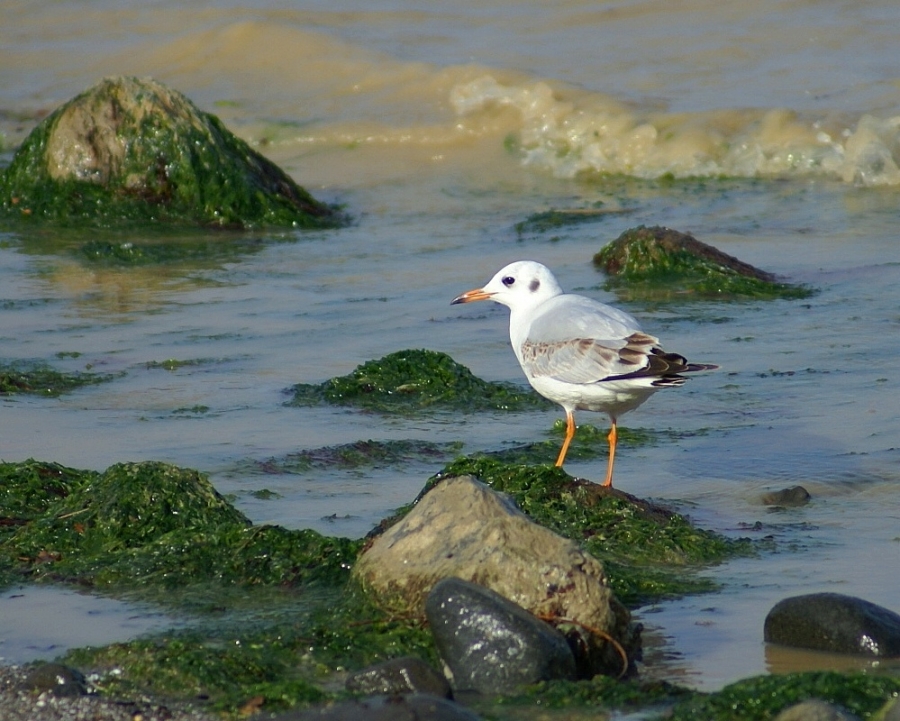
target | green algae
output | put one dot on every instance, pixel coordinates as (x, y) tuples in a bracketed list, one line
[(414, 380), (646, 549), (157, 252), (132, 151), (553, 219), (762, 697), (360, 454), (40, 379), (281, 658), (590, 442), (754, 699), (660, 263), (600, 692), (173, 364), (155, 526)]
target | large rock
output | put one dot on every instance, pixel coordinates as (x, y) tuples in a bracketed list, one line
[(463, 529), (660, 262), (491, 645), (133, 150), (836, 623)]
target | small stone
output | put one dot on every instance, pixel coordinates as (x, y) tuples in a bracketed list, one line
[(787, 497), (56, 678), (836, 623), (490, 644), (815, 710), (399, 676)]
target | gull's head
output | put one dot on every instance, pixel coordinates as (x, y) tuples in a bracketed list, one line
[(520, 285)]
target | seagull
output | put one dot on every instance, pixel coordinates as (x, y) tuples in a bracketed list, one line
[(578, 352)]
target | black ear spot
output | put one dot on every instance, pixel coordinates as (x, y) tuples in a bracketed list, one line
[(534, 285), (508, 281)]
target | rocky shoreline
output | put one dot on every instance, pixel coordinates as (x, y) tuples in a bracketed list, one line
[(21, 699)]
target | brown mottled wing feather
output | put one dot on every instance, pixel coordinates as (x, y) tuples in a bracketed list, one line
[(586, 360)]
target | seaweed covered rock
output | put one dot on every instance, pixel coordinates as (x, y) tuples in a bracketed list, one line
[(149, 525), (647, 550), (660, 262), (42, 380), (416, 379), (133, 150)]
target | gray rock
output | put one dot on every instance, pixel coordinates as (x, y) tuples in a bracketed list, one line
[(490, 644), (416, 707), (399, 676), (57, 679), (836, 623), (815, 710), (463, 529), (787, 497)]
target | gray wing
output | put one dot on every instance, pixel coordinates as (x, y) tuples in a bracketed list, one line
[(587, 360), (578, 340)]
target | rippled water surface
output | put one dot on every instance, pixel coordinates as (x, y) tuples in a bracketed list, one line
[(439, 129)]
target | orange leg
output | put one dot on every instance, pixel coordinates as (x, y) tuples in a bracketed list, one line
[(570, 434), (613, 437)]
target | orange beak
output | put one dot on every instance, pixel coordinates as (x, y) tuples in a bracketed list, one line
[(470, 296)]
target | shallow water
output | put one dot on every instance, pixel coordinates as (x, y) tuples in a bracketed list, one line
[(42, 622), (439, 129)]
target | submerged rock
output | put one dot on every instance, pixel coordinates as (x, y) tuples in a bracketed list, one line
[(415, 379), (461, 528), (43, 380), (836, 623), (407, 674), (787, 497), (661, 262), (491, 645), (133, 150)]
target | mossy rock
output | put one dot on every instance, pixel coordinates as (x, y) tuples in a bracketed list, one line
[(358, 455), (149, 525), (662, 263), (754, 699), (648, 550), (413, 380), (762, 697), (558, 219), (288, 655), (42, 380), (131, 150)]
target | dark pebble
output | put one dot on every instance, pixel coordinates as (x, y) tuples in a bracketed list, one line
[(490, 644), (57, 679), (836, 623)]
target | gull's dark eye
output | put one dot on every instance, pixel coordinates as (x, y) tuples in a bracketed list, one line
[(508, 281)]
